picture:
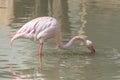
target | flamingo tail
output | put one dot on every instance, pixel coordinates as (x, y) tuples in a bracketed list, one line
[(15, 36)]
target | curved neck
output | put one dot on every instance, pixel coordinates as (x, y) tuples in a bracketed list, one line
[(70, 42)]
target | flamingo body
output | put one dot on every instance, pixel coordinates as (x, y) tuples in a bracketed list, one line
[(43, 27)]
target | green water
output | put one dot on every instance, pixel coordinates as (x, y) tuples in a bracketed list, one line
[(97, 19)]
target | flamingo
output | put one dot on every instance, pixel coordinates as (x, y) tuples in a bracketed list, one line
[(43, 28)]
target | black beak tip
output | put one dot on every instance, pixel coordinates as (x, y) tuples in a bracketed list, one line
[(93, 51)]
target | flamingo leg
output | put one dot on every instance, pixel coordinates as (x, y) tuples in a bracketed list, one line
[(40, 54), (40, 50)]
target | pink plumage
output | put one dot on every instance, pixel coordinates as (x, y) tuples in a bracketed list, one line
[(37, 28)]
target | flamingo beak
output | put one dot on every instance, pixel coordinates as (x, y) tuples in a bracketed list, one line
[(92, 49)]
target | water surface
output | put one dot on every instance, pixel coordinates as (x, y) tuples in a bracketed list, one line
[(97, 19)]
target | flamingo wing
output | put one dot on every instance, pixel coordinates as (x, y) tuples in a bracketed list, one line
[(37, 28)]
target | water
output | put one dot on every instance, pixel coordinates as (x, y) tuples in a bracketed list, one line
[(97, 19)]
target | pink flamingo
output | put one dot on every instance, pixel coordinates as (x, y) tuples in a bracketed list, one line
[(43, 28)]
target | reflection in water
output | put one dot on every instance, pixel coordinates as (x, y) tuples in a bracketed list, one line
[(28, 76), (83, 20), (101, 16), (83, 14), (40, 9), (6, 11)]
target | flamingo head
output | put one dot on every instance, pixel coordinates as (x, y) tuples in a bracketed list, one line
[(90, 46)]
